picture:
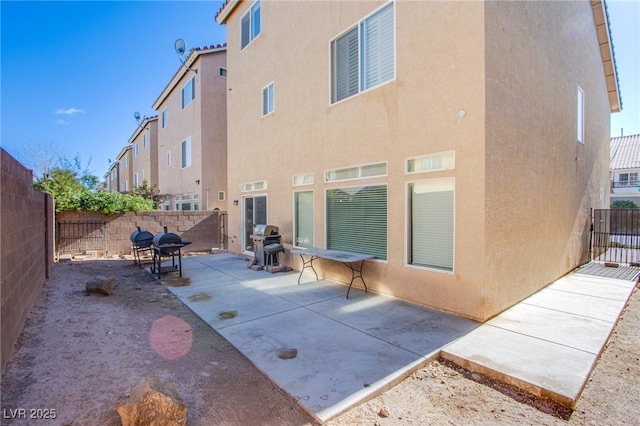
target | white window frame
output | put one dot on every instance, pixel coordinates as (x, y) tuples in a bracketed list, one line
[(358, 48), (439, 161), (135, 149), (580, 116), (135, 180), (221, 196), (222, 72), (360, 171), (189, 86), (169, 158), (302, 179), (296, 216), (436, 182), (126, 161), (125, 186), (253, 21), (165, 117), (185, 153), (268, 99), (145, 138), (260, 185)]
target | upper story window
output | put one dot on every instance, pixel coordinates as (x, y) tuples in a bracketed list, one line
[(189, 92), (145, 138), (580, 117), (135, 149), (250, 25), (169, 158), (364, 56), (186, 153), (268, 99), (165, 118), (126, 161)]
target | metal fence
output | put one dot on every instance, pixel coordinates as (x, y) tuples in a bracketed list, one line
[(615, 236), (81, 237)]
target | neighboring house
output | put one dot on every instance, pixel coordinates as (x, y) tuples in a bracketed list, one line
[(625, 168), (192, 133), (125, 170), (144, 153), (461, 143), (112, 177)]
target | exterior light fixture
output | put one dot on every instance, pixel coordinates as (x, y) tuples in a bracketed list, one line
[(181, 48), (197, 181)]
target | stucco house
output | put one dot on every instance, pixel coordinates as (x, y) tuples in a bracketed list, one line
[(112, 177), (461, 143), (192, 133), (625, 168), (144, 153), (125, 170)]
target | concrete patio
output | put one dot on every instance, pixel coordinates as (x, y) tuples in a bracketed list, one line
[(330, 352)]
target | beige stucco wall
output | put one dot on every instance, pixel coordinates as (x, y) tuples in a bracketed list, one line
[(541, 182), (204, 121), (442, 68)]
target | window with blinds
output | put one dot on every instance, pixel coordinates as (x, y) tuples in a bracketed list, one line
[(303, 215), (268, 99), (431, 224), (364, 57), (357, 220), (250, 25)]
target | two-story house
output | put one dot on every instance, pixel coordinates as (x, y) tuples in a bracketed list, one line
[(125, 170), (461, 143), (192, 133), (112, 177), (144, 153), (625, 169)]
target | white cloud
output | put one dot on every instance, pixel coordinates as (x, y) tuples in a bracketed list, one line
[(69, 111), (62, 122)]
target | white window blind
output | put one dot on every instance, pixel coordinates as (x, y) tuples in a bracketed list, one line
[(303, 206), (250, 25), (378, 47), (357, 220), (364, 57), (432, 224)]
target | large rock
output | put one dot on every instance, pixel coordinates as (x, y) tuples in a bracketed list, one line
[(152, 403), (101, 285)]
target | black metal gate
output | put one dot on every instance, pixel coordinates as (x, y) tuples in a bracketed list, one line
[(81, 237), (615, 236)]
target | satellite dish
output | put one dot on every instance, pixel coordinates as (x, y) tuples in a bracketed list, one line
[(180, 46), (136, 115)]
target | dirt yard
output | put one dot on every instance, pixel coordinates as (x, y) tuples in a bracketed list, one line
[(79, 353)]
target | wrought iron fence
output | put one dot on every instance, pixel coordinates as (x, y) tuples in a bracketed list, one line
[(615, 236), (81, 237)]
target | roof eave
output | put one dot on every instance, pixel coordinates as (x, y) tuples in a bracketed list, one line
[(141, 127), (184, 69), (225, 11), (601, 19)]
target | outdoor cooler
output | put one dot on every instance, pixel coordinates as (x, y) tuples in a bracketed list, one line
[(266, 244)]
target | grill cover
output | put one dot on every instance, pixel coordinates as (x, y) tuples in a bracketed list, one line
[(166, 238), (142, 239)]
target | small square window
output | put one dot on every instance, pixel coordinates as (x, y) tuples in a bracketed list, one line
[(223, 72)]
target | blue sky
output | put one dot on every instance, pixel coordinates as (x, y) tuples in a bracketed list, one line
[(73, 73)]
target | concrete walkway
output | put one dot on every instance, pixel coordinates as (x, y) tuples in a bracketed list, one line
[(549, 343), (330, 352)]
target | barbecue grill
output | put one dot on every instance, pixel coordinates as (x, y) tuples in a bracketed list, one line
[(141, 242), (266, 244), (167, 244)]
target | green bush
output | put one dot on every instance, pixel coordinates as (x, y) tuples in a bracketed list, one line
[(623, 204)]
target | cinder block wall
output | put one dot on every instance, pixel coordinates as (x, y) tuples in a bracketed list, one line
[(26, 248), (200, 227)]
